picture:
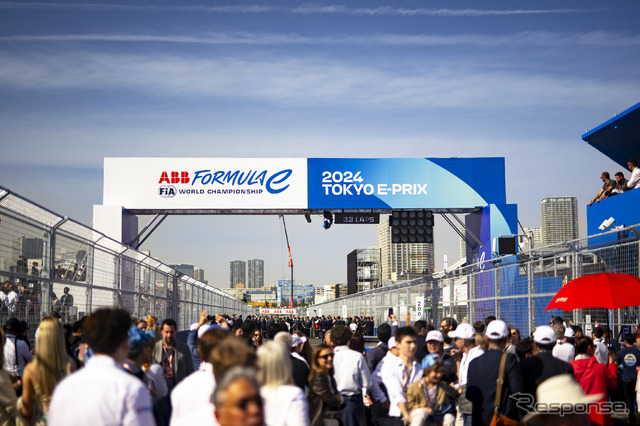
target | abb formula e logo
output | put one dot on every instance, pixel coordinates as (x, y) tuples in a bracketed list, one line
[(261, 180), (174, 177)]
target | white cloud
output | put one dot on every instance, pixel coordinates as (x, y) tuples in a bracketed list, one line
[(514, 40), (305, 9), (98, 7), (401, 11), (321, 82)]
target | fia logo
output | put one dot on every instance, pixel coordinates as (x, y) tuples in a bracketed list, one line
[(167, 191)]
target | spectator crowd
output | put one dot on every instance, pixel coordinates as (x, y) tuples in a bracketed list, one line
[(612, 187), (111, 369)]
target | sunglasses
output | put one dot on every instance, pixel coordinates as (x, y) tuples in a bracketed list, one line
[(326, 356), (244, 403)]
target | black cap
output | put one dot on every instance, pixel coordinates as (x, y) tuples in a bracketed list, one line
[(13, 324)]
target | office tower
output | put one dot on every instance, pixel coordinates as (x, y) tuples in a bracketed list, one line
[(559, 219), (238, 274), (403, 260), (255, 273), (184, 268), (198, 274)]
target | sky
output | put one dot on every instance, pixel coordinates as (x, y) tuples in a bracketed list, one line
[(521, 80)]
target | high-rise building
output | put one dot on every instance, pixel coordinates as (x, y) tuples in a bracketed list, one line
[(255, 273), (184, 268), (198, 274), (408, 260), (559, 219), (238, 273)]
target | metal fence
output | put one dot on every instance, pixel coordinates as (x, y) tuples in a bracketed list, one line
[(43, 253), (515, 288)]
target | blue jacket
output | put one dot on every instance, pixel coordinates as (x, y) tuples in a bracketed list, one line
[(193, 348)]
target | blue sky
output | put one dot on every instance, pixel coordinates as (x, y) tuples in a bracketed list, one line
[(522, 80)]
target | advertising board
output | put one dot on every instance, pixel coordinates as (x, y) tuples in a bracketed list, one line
[(165, 184)]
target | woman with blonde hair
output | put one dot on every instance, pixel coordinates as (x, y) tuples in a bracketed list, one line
[(51, 363), (284, 403), (152, 325)]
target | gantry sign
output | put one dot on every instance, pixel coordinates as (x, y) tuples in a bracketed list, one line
[(180, 186), (301, 185)]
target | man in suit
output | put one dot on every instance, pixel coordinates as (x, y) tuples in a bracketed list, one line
[(376, 354), (67, 299), (538, 368), (483, 375), (173, 356), (421, 344)]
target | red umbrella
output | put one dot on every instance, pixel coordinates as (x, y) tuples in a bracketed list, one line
[(612, 291)]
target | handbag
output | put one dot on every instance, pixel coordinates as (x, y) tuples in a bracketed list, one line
[(499, 419)]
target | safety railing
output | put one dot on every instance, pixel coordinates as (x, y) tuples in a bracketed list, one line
[(515, 288), (50, 262)]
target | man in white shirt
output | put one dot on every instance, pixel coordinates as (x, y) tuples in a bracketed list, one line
[(464, 337), (602, 352), (352, 375), (103, 393), (380, 408), (191, 398), (634, 180), (399, 373), (16, 351), (563, 350), (12, 301)]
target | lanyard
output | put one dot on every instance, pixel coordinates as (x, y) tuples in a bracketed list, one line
[(429, 399), (169, 358)]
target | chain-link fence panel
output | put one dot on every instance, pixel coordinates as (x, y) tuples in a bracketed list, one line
[(49, 263)]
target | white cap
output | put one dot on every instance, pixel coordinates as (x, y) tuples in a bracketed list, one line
[(497, 329), (464, 331), (544, 335), (559, 390), (203, 329), (434, 335), (568, 332), (295, 340), (392, 342)]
